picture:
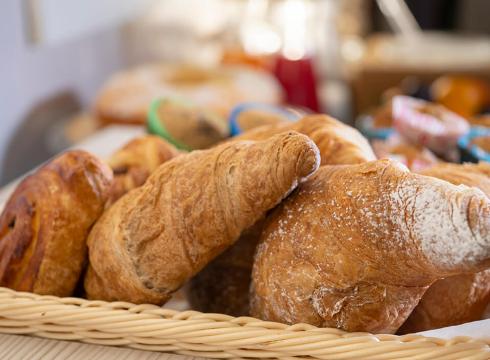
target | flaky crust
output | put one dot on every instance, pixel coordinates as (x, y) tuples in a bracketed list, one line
[(44, 226), (133, 163), (356, 247), (190, 210), (338, 143), (462, 298)]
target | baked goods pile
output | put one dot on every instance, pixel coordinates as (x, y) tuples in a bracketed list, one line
[(290, 222)]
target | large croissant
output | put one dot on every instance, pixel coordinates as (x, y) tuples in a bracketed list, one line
[(216, 290), (190, 210), (461, 298), (337, 142), (356, 247)]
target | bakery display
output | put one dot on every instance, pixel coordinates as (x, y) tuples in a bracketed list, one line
[(46, 221), (357, 246), (461, 298), (155, 238), (135, 161), (126, 97), (291, 220)]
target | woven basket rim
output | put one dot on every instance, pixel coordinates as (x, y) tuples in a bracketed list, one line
[(150, 327)]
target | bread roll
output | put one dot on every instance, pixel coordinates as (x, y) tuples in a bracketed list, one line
[(356, 247)]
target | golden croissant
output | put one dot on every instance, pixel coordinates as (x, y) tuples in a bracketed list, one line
[(356, 247), (190, 209)]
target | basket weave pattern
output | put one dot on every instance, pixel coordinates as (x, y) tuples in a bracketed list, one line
[(150, 327)]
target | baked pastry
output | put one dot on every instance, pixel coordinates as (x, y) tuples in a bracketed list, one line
[(462, 298), (415, 157), (223, 285), (126, 97), (356, 247), (190, 210), (338, 143), (46, 221), (134, 162)]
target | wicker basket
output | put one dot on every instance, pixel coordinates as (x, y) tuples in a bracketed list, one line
[(150, 327)]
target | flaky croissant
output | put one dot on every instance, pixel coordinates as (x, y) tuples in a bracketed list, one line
[(46, 221), (190, 210), (133, 163), (337, 142), (356, 247), (461, 298)]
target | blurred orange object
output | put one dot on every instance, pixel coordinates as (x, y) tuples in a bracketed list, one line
[(237, 56), (464, 95)]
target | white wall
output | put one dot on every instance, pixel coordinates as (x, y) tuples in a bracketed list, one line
[(29, 74)]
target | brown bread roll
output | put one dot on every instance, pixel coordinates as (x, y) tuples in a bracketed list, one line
[(356, 246), (190, 210), (46, 221)]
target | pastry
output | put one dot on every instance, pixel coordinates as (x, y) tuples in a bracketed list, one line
[(415, 157), (222, 286), (186, 126), (461, 298), (356, 246), (190, 210), (46, 221), (428, 124), (338, 143), (126, 97), (134, 162)]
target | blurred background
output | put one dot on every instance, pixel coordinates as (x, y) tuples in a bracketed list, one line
[(70, 68)]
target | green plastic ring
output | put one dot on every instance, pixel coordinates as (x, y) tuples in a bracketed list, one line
[(155, 126)]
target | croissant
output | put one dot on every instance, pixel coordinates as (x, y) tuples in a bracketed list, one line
[(190, 210), (223, 285), (356, 247), (46, 221), (133, 163), (461, 298), (337, 142)]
